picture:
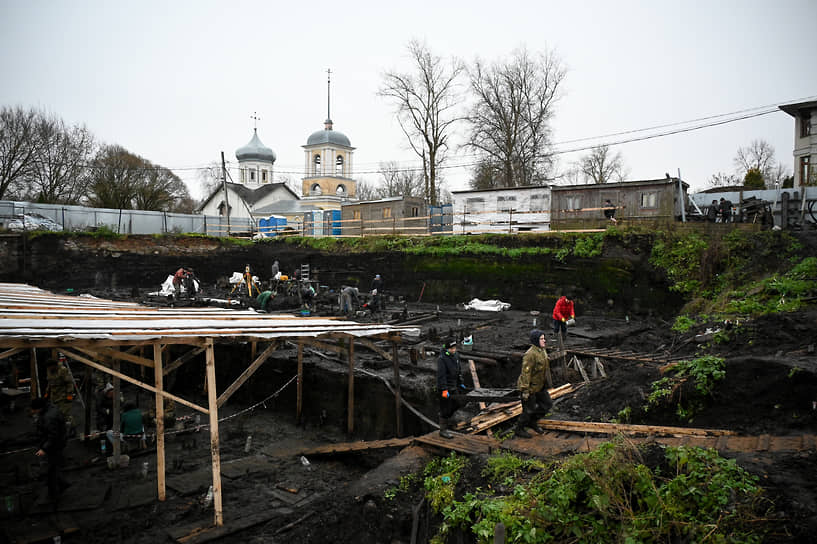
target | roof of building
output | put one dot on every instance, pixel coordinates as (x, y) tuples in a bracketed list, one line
[(619, 184), (795, 108), (328, 136), (32, 317), (255, 150), (249, 195), (388, 199), (520, 188)]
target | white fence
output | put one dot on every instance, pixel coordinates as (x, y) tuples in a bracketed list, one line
[(127, 221)]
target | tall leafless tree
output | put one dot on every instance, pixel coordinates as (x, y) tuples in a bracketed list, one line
[(759, 154), (721, 179), (399, 181), (59, 173), (115, 178), (17, 146), (426, 101), (510, 119), (159, 189), (602, 166)]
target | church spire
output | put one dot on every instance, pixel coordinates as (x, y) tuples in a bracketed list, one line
[(328, 122)]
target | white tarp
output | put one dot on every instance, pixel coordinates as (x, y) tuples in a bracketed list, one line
[(488, 305)]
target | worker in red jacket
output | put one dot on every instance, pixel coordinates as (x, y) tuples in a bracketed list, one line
[(563, 315)]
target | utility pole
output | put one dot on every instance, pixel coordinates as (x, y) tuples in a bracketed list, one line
[(224, 187), (681, 198)]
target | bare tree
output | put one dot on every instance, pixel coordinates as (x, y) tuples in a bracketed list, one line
[(425, 101), (17, 146), (115, 178), (758, 155), (510, 119), (399, 181), (721, 179), (59, 173), (159, 189), (601, 166), (367, 190)]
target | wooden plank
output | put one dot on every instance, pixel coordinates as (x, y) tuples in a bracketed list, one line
[(350, 407), (613, 428), (199, 535), (183, 359), (475, 378), (398, 395), (300, 385), (763, 442), (111, 354), (212, 402), (10, 352), (159, 409), (249, 371), (134, 381)]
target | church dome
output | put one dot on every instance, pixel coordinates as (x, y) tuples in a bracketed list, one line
[(255, 151), (328, 136)]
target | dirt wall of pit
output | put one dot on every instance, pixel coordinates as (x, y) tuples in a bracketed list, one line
[(620, 281)]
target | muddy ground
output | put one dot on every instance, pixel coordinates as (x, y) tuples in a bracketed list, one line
[(770, 387)]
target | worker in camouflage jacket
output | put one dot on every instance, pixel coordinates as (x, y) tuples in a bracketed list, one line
[(533, 378), (60, 388)]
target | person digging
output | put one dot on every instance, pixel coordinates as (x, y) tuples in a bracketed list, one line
[(450, 385), (535, 374)]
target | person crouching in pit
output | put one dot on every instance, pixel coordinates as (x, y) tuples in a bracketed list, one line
[(535, 374)]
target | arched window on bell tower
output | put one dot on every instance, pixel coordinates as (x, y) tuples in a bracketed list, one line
[(317, 165), (339, 166)]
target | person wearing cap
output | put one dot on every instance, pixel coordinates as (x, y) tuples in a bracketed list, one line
[(534, 376), (450, 385), (563, 311), (50, 442)]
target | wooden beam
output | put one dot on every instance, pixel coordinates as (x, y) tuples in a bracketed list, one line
[(249, 371), (117, 409), (35, 375), (212, 401), (300, 387), (614, 428), (183, 359), (398, 396), (10, 352), (134, 381), (350, 416), (475, 379), (375, 348), (160, 421), (115, 355)]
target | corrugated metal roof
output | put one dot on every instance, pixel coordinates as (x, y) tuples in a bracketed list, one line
[(34, 317)]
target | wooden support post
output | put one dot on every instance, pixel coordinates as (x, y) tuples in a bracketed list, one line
[(398, 396), (350, 416), (89, 387), (117, 408), (600, 367), (35, 375), (580, 368), (218, 519), (160, 421), (299, 403), (253, 349)]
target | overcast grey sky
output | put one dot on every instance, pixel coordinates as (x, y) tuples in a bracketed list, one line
[(176, 82)]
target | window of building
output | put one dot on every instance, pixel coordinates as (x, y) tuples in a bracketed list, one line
[(356, 214), (505, 203), (474, 205), (649, 200), (316, 162), (341, 190), (415, 211), (252, 176), (339, 166), (386, 213), (805, 171), (573, 202), (538, 202), (241, 172), (263, 176), (316, 190), (805, 125)]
